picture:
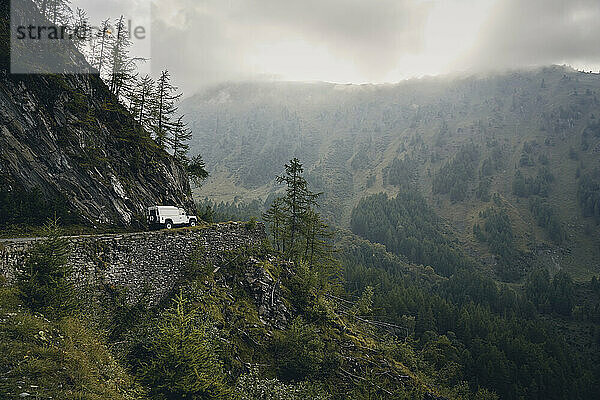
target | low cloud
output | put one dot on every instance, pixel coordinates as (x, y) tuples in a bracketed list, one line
[(210, 41), (538, 32), (217, 40)]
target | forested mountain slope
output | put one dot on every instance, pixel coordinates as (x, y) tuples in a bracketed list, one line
[(517, 148)]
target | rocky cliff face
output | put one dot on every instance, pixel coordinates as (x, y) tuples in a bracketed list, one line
[(68, 137)]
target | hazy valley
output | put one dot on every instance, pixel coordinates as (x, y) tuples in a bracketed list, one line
[(432, 239), (457, 140)]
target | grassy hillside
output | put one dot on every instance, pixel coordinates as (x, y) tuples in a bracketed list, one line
[(247, 326), (461, 141), (413, 319)]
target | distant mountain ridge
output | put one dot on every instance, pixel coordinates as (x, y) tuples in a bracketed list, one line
[(357, 140)]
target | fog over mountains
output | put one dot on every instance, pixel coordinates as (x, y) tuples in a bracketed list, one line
[(345, 41), (437, 238), (357, 140)]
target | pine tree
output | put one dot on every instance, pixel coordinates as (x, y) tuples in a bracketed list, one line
[(44, 284), (142, 101), (275, 216), (179, 140), (183, 360), (122, 66), (298, 199), (166, 98)]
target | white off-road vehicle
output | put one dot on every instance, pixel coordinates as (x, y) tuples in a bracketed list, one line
[(168, 217)]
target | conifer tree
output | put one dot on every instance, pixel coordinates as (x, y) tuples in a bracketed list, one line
[(196, 169), (103, 42), (298, 199), (298, 230), (43, 283), (142, 101), (317, 237), (276, 218), (58, 12), (166, 98), (179, 140), (183, 360), (42, 6), (122, 65), (80, 29)]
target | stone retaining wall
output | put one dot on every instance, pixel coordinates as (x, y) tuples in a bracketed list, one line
[(146, 261)]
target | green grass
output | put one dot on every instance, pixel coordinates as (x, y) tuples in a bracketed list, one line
[(64, 359)]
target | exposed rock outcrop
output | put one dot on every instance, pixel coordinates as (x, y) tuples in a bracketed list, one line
[(68, 137)]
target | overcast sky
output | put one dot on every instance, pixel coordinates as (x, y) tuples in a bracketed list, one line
[(209, 41)]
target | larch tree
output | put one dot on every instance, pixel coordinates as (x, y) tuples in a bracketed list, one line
[(298, 199), (142, 101), (167, 96), (196, 169), (58, 12), (102, 43), (80, 30), (123, 67), (297, 229), (317, 238), (275, 217), (179, 140)]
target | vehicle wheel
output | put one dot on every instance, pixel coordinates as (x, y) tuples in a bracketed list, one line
[(193, 223), (169, 225)]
